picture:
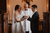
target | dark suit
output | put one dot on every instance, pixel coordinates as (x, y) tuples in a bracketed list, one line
[(34, 22)]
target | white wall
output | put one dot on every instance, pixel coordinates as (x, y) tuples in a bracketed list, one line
[(12, 4), (40, 3)]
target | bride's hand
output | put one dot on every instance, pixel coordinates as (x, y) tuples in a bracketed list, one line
[(26, 17)]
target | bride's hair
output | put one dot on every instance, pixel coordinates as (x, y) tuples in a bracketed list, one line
[(17, 7)]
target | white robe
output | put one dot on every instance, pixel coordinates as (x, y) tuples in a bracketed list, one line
[(26, 23)]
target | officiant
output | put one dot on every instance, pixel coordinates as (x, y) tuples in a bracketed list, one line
[(26, 24)]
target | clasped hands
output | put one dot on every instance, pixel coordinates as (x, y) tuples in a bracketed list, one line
[(26, 16)]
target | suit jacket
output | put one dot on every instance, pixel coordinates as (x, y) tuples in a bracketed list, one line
[(34, 21)]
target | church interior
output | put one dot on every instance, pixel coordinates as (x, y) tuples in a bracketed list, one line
[(6, 14)]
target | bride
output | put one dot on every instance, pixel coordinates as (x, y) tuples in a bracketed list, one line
[(16, 25)]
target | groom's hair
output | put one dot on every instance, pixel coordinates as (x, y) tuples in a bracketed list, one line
[(17, 7), (34, 6)]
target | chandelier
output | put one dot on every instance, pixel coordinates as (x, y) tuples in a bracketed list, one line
[(26, 0)]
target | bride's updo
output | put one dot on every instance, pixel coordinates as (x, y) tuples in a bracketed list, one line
[(17, 7)]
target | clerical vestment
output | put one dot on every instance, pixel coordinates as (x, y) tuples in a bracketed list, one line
[(26, 23)]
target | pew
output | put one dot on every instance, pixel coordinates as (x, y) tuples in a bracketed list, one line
[(46, 22), (1, 23), (4, 23)]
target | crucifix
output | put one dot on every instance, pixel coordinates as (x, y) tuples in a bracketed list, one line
[(28, 2)]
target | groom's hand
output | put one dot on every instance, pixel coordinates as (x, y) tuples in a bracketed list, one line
[(27, 16)]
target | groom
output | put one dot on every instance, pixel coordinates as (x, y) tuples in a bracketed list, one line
[(34, 20)]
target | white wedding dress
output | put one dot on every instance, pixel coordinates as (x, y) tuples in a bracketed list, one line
[(16, 26)]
